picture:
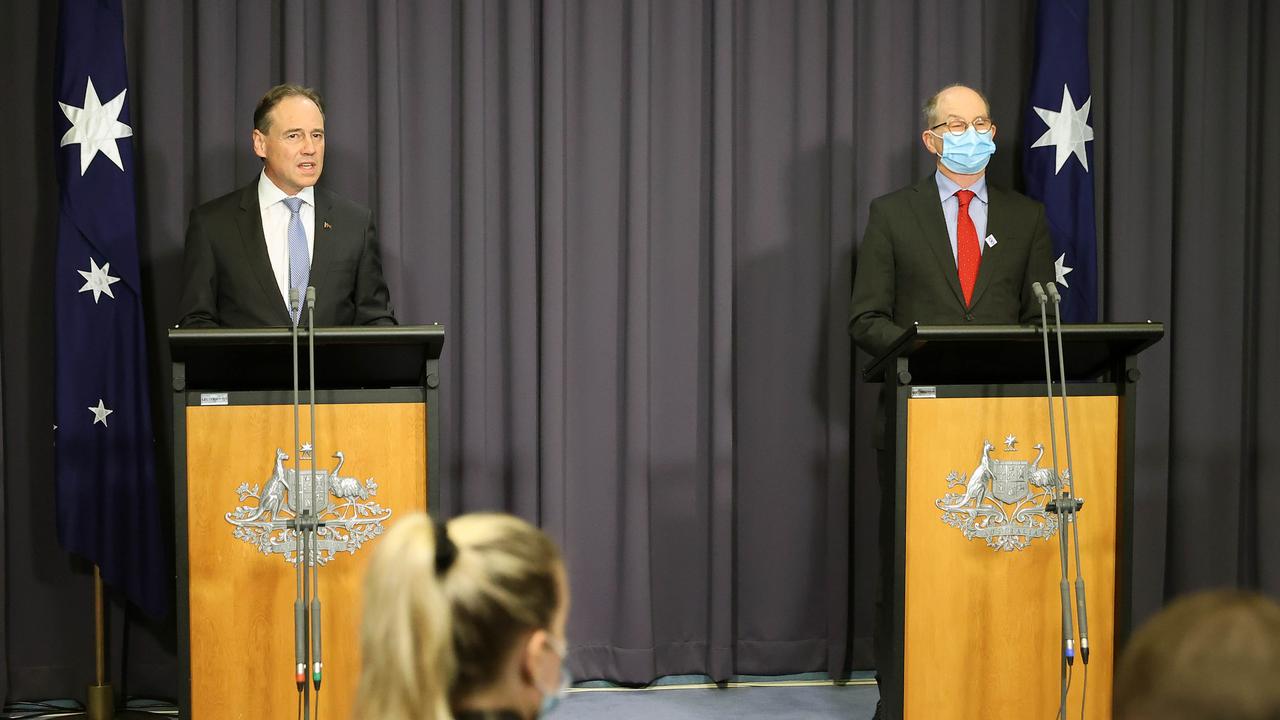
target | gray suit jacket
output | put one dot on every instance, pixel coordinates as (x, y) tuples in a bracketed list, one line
[(228, 280), (907, 274)]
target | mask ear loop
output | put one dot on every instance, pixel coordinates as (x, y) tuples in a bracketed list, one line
[(942, 144)]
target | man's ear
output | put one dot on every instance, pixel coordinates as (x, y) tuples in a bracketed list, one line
[(926, 137), (259, 143)]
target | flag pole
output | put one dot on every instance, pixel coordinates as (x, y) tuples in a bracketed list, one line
[(101, 702)]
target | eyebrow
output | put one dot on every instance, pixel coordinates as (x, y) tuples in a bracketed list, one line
[(298, 129)]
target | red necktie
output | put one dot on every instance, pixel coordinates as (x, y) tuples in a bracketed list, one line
[(968, 253)]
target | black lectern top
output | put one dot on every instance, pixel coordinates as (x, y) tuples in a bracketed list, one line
[(993, 354), (346, 357)]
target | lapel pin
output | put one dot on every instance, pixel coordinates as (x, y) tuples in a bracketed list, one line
[(991, 239), (327, 226)]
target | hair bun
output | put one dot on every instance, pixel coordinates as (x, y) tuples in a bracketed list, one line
[(446, 551)]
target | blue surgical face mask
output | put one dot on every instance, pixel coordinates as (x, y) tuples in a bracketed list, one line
[(966, 153), (551, 700)]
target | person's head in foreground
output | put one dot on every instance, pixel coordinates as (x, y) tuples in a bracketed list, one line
[(465, 618), (1206, 656)]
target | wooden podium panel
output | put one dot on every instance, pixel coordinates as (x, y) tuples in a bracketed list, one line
[(982, 626), (241, 600)]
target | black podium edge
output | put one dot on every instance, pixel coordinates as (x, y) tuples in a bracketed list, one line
[(1149, 333)]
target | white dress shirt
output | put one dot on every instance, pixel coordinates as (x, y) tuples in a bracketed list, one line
[(275, 226)]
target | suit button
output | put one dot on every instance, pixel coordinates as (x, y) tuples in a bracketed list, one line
[(968, 316)]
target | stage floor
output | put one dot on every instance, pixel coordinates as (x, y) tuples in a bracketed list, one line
[(854, 700)]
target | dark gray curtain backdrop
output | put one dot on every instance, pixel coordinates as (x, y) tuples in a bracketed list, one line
[(638, 221)]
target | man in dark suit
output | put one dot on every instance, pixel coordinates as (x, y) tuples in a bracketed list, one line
[(247, 250), (950, 249)]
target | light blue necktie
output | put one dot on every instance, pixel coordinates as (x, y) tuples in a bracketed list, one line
[(299, 261)]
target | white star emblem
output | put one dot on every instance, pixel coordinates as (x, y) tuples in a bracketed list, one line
[(100, 413), (1010, 443), (98, 280), (96, 127), (1060, 267), (1068, 130)]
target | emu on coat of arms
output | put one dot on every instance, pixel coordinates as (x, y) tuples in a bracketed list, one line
[(346, 517), (1002, 501)]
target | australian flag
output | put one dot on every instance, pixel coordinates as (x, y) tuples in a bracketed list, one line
[(105, 463), (1058, 161)]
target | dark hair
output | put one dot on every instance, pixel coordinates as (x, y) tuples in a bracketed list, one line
[(1208, 655), (262, 113)]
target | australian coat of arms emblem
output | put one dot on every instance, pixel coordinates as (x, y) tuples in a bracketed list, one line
[(1001, 501), (341, 506)]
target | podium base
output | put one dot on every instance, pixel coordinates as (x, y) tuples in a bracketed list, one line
[(101, 703)]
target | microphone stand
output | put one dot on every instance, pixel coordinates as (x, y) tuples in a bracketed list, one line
[(1075, 502), (300, 549), (1082, 616), (1068, 656), (317, 665)]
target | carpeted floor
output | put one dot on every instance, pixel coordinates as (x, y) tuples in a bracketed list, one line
[(801, 701)]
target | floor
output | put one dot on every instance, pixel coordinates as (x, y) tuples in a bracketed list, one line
[(854, 700)]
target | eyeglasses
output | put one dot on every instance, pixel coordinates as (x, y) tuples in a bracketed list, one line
[(956, 126)]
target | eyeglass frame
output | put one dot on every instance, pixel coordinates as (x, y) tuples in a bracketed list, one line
[(967, 124)]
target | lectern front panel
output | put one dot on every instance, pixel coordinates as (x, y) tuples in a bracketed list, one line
[(242, 489), (982, 617)]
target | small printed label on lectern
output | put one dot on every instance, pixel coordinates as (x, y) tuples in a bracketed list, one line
[(213, 398), (924, 391)]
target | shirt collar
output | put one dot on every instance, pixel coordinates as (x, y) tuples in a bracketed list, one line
[(948, 187), (269, 194)]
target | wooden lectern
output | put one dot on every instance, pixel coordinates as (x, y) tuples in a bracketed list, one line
[(975, 593), (236, 491)]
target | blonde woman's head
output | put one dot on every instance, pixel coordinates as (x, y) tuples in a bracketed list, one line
[(471, 615)]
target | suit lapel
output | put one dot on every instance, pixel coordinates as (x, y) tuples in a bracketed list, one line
[(323, 251), (994, 254), (933, 228), (255, 249)]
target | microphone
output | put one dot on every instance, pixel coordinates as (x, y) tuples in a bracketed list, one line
[(1064, 589), (317, 665), (299, 607), (1073, 500)]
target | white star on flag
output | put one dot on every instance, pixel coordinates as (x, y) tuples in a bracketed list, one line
[(1068, 130), (1060, 266), (98, 280), (100, 413), (96, 127)]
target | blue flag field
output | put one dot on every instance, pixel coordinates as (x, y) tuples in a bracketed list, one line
[(107, 508), (1057, 161)]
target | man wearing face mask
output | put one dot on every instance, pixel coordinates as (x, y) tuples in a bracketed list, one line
[(949, 250)]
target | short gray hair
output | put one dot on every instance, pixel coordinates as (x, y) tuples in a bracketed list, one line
[(930, 108)]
